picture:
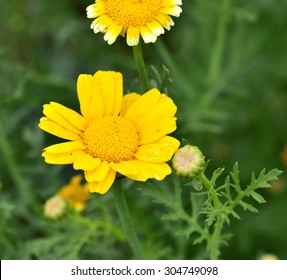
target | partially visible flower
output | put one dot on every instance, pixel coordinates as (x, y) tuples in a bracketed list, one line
[(284, 155), (54, 207), (115, 133), (188, 161), (75, 193), (133, 18), (268, 257)]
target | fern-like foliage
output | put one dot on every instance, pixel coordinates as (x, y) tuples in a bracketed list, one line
[(212, 204)]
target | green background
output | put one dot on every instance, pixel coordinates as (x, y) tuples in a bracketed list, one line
[(228, 70)]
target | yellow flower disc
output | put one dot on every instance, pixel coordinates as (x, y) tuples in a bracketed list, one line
[(127, 13), (111, 139)]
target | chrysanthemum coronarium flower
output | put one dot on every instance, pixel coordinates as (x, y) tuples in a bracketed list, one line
[(114, 133), (133, 18), (75, 193)]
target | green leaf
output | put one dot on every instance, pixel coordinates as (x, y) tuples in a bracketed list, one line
[(235, 215), (247, 206), (216, 174), (235, 177), (263, 179), (259, 198)]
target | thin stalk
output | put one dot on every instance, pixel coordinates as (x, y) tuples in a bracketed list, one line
[(217, 53), (139, 59), (126, 220), (215, 238), (215, 81)]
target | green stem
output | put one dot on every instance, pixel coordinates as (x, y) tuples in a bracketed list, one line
[(210, 188), (215, 80), (7, 155), (139, 59), (215, 238), (216, 56), (126, 220)]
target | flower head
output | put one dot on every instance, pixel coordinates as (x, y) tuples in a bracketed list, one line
[(188, 161), (115, 133), (54, 207), (133, 18), (74, 193)]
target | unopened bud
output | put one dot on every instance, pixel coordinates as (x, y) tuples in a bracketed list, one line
[(54, 207), (188, 161)]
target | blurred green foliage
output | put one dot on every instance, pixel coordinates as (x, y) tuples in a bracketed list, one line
[(228, 71)]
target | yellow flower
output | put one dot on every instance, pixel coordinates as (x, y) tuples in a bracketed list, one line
[(133, 18), (115, 133), (75, 193)]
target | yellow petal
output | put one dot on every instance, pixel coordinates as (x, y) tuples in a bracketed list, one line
[(104, 22), (164, 109), (173, 11), (142, 104), (110, 84), (76, 180), (96, 10), (146, 170), (50, 112), (132, 169), (64, 158), (147, 35), (51, 127), (159, 152), (155, 27), (133, 36), (170, 3), (165, 20), (159, 129), (112, 33), (124, 167), (90, 97), (99, 173), (128, 100), (159, 170), (103, 186), (70, 115), (66, 147), (86, 162)]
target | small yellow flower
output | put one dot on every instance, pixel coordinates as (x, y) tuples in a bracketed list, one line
[(115, 133), (75, 193), (133, 18)]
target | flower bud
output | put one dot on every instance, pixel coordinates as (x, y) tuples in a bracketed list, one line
[(188, 161), (54, 207)]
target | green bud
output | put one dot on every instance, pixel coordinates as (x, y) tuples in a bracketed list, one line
[(54, 207), (188, 161)]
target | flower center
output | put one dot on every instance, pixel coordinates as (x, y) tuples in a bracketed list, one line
[(132, 13), (113, 139)]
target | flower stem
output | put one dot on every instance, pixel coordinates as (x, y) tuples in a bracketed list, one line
[(216, 56), (126, 220), (215, 79), (215, 237), (139, 59)]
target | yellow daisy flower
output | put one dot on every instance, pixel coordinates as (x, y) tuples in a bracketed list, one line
[(133, 18), (115, 133), (75, 193)]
